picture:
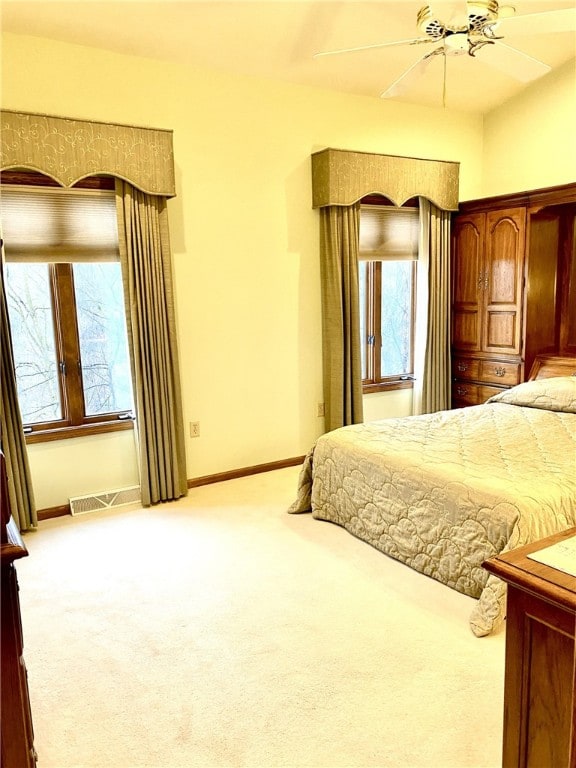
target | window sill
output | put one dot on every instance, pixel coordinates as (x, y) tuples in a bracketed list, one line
[(84, 430), (387, 386)]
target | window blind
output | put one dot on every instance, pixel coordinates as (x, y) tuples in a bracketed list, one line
[(58, 225), (388, 233)]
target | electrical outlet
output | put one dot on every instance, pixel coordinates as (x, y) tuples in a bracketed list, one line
[(320, 409), (194, 429)]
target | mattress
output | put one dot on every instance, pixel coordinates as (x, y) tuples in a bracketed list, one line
[(445, 491)]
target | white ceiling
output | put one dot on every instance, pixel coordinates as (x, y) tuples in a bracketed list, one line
[(277, 39)]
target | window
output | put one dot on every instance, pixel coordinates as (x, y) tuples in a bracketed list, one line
[(66, 308), (387, 283)]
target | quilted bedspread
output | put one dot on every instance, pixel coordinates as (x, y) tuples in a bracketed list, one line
[(445, 491)]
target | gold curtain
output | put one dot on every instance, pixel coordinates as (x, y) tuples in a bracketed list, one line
[(148, 288), (432, 353), (20, 491), (339, 245)]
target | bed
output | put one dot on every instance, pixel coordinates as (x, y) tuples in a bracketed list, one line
[(445, 491)]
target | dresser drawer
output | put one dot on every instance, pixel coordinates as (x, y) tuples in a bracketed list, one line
[(486, 392), (465, 368), (464, 394), (501, 374)]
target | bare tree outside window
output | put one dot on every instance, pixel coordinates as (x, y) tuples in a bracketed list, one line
[(70, 344), (396, 318), (102, 336), (33, 340)]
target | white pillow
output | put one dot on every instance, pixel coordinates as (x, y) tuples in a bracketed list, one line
[(555, 394)]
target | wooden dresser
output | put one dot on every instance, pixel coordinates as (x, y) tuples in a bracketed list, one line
[(540, 677), (17, 737), (513, 288)]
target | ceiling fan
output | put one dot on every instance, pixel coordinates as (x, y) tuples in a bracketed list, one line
[(464, 28)]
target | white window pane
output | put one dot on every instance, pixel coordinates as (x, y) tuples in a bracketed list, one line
[(396, 318), (33, 341), (103, 342)]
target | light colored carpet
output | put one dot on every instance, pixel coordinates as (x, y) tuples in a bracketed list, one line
[(219, 631)]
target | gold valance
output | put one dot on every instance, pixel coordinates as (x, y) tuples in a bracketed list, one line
[(69, 150), (340, 177)]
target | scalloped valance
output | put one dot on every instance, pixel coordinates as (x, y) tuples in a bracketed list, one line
[(69, 150), (340, 177)]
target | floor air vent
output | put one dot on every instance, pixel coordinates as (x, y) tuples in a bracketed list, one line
[(94, 501)]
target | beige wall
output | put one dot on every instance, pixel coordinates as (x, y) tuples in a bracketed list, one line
[(530, 141), (83, 465), (244, 236)]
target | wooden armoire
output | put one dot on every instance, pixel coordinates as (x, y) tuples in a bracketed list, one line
[(16, 732), (513, 288)]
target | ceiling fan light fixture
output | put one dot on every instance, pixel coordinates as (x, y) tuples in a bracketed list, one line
[(456, 44)]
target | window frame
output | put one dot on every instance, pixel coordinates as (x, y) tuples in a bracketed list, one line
[(372, 343), (74, 422)]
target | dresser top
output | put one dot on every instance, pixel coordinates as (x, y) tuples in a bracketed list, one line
[(521, 571)]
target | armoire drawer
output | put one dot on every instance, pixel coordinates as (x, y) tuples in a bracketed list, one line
[(464, 394), (485, 392), (499, 373), (466, 368)]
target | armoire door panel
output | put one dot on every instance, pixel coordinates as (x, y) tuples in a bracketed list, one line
[(502, 284), (505, 227), (467, 281), (468, 248), (466, 286), (503, 266), (466, 329), (504, 257), (502, 333)]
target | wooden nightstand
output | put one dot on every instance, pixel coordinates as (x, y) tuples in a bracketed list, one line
[(540, 678)]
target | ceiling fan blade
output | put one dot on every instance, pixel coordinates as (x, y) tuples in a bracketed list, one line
[(515, 63), (538, 23), (418, 68), (452, 13), (412, 41)]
